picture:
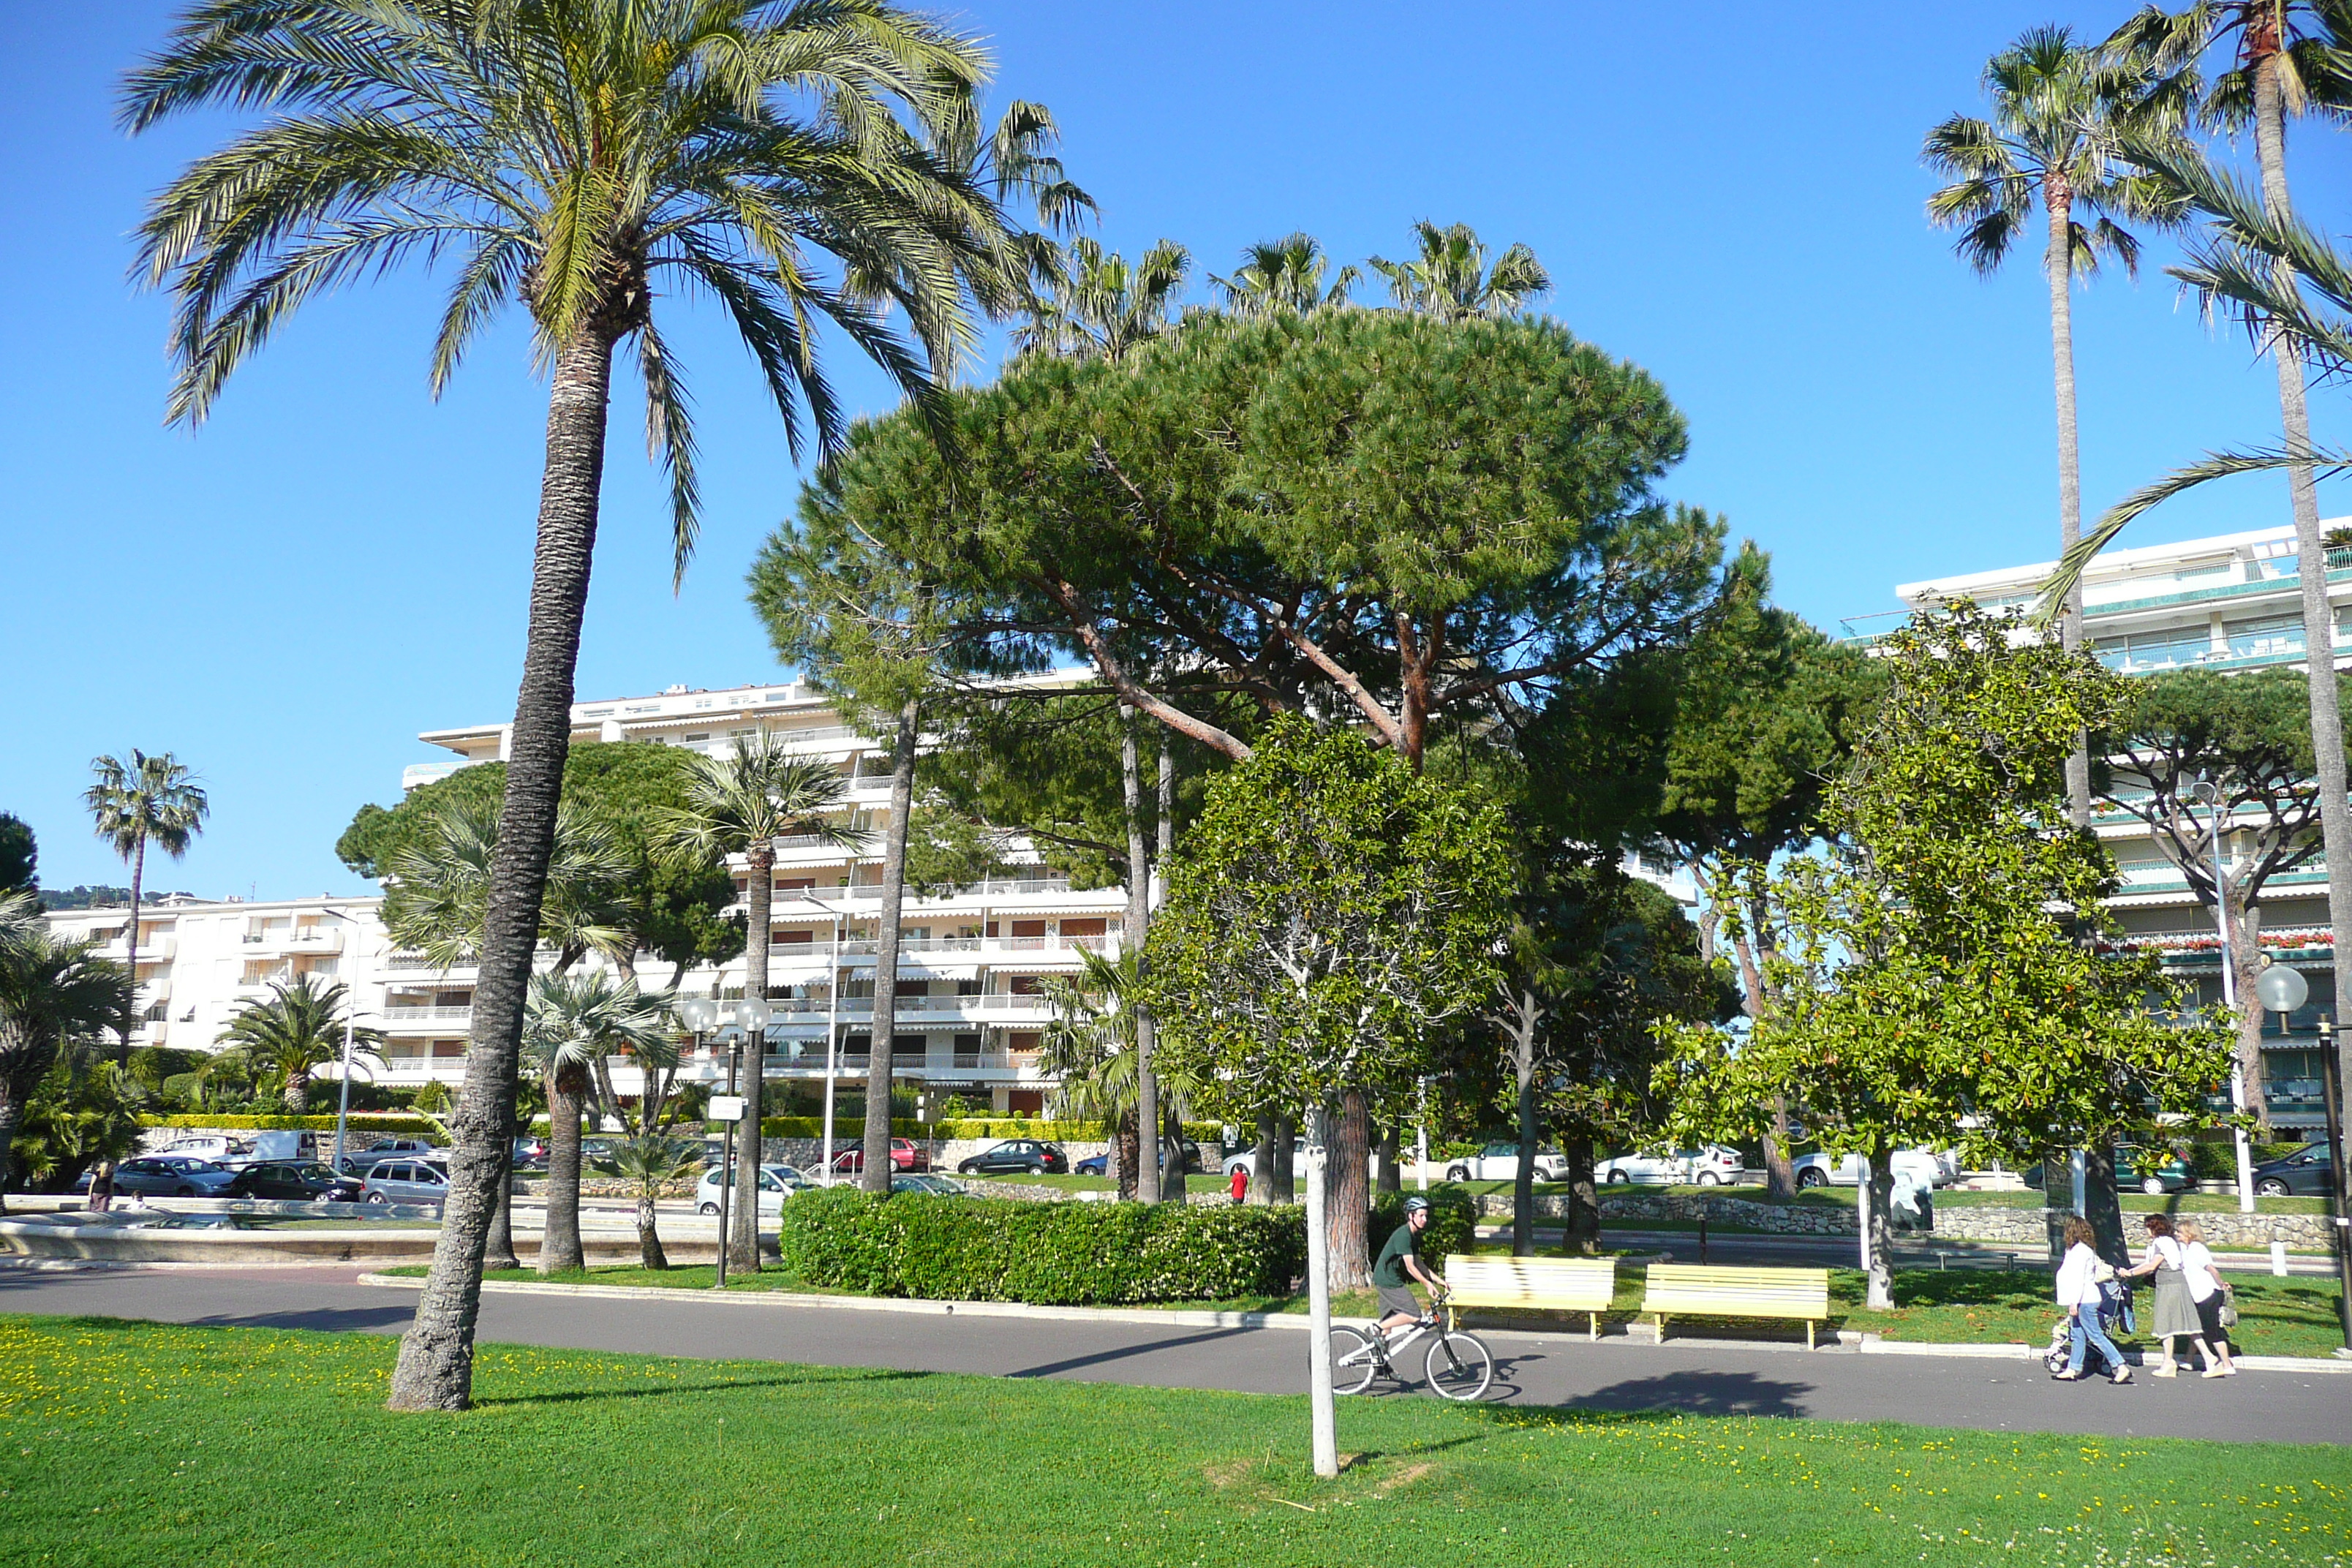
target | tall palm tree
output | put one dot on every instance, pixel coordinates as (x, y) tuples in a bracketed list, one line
[(739, 802), (1450, 278), (148, 800), (299, 1029), (571, 1023), (1091, 303), (51, 991), (439, 900), (652, 1160), (1285, 274), (1089, 1050), (803, 164), (2061, 114)]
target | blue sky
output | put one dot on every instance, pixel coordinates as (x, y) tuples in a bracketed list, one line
[(1729, 195)]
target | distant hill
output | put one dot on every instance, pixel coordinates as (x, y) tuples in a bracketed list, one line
[(86, 898)]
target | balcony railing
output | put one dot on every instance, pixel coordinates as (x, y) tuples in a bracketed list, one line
[(403, 1014)]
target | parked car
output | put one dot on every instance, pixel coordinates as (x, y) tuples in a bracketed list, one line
[(1032, 1155), (404, 1181), (936, 1186), (777, 1183), (1712, 1166), (305, 1181), (1500, 1162), (906, 1154), (386, 1148), (1823, 1171), (2304, 1173), (1246, 1159), (216, 1149), (173, 1174), (2169, 1173), (530, 1153)]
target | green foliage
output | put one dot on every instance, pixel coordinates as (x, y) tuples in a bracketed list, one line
[(296, 1030), (949, 1128), (1942, 965), (156, 1065), (391, 1124), (1452, 1223), (1062, 1253), (431, 1097), (19, 856), (1328, 911), (73, 1121)]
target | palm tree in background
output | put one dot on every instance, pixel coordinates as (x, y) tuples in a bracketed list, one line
[(148, 800), (438, 903), (299, 1029), (650, 1162), (1091, 303), (741, 803), (1283, 275), (51, 991), (2062, 112), (572, 1023), (1090, 1048), (1450, 278), (805, 166)]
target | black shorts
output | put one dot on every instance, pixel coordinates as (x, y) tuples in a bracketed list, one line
[(1399, 1299)]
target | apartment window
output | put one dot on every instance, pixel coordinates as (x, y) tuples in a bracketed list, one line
[(2272, 636), (2145, 651), (705, 735)]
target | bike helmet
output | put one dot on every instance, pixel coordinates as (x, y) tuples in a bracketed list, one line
[(1415, 1203)]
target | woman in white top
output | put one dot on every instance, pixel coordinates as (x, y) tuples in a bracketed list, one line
[(2079, 1274), (2174, 1316), (2205, 1291)]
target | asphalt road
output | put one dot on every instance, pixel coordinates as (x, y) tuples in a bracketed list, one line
[(1708, 1378)]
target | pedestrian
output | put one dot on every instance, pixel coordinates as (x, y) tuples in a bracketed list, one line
[(2080, 1274), (2208, 1292), (2175, 1315), (1241, 1183)]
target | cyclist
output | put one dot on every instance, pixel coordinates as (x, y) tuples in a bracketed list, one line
[(1401, 1260)]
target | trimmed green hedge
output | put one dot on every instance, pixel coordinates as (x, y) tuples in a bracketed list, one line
[(964, 1127), (1068, 1254), (360, 1121), (1452, 1223)]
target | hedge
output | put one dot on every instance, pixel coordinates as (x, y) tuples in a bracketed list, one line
[(965, 1127), (360, 1121), (988, 1249)]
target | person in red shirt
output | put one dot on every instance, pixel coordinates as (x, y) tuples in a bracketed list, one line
[(1241, 1183)]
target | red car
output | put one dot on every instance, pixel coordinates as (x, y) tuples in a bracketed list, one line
[(906, 1154)]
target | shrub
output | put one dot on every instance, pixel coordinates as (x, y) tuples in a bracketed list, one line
[(1452, 1223), (410, 1126), (982, 1249)]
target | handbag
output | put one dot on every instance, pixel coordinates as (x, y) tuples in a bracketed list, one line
[(2228, 1307)]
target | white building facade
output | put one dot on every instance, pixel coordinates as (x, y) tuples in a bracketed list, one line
[(2227, 604)]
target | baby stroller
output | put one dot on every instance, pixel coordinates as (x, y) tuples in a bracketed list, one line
[(2115, 1318)]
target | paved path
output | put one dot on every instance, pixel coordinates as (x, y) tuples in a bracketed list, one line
[(1532, 1369)]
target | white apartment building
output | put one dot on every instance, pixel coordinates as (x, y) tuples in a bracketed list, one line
[(969, 1016), (2230, 602)]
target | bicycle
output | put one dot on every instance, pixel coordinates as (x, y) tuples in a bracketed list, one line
[(1458, 1365)]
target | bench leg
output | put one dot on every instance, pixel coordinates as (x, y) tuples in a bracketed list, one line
[(1596, 1324), (1809, 1333), (1660, 1317)]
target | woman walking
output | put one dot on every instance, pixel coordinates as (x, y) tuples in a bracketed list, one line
[(2207, 1293), (2079, 1276), (2176, 1309)]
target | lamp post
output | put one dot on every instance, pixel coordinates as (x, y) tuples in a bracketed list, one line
[(2206, 793), (351, 1021), (751, 1016), (2339, 1176), (699, 1015)]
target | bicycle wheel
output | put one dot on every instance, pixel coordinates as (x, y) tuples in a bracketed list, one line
[(1459, 1367), (1352, 1362)]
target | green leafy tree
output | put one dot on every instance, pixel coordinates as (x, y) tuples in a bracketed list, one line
[(1284, 274), (19, 856), (1938, 978), (1449, 279), (297, 1030), (1326, 914), (2250, 736), (574, 1022), (80, 1113), (2062, 114), (739, 802), (805, 167), (147, 800), (653, 1163), (52, 991)]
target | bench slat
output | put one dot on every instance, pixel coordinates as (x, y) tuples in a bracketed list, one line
[(1584, 1285), (1687, 1289)]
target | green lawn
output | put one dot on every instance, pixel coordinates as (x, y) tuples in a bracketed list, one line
[(980, 1183), (143, 1444)]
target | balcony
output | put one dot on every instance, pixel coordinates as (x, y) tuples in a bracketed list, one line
[(402, 1013), (158, 948)]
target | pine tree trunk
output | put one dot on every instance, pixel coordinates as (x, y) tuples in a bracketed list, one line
[(743, 1204), (1139, 918), (876, 1177), (1583, 1229), (1350, 1199), (2058, 262), (2246, 968), (559, 1233), (435, 1369), (2311, 557), (1522, 1185)]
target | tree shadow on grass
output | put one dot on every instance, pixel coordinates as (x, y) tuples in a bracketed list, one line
[(722, 1386)]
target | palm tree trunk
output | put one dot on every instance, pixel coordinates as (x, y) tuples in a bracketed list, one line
[(2311, 557), (12, 1111), (559, 1235), (876, 1176), (744, 1215), (435, 1369), (1349, 1204), (131, 949), (649, 1248), (1139, 916), (2059, 264), (498, 1247)]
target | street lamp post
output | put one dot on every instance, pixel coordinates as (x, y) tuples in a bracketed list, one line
[(343, 1089), (2209, 795), (751, 1016), (699, 1016)]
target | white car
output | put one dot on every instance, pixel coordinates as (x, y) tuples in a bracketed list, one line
[(1712, 1166), (1500, 1163), (1246, 1159), (1919, 1166), (777, 1183)]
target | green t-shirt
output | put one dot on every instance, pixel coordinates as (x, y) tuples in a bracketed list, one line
[(1390, 1269)]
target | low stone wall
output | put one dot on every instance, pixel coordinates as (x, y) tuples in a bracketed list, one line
[(2021, 1228)]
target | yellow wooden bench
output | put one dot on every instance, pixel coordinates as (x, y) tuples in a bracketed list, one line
[(1687, 1289), (1584, 1285)]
